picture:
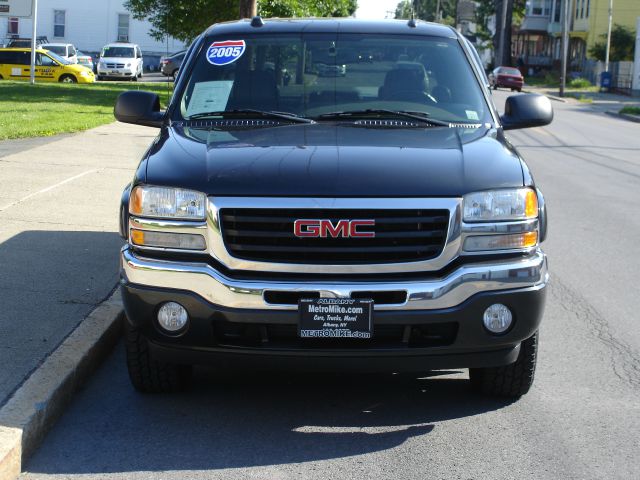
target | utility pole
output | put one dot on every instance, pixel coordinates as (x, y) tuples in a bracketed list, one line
[(34, 13), (438, 11), (565, 47), (503, 36), (606, 61), (248, 8)]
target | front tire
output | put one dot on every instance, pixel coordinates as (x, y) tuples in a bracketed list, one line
[(511, 381), (149, 375), (68, 79)]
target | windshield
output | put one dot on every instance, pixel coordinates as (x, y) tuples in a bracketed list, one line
[(118, 52), (315, 74), (58, 49), (58, 58)]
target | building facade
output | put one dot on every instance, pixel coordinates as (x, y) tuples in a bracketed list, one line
[(538, 43), (89, 25)]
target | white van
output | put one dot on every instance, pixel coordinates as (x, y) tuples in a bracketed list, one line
[(120, 60), (65, 50)]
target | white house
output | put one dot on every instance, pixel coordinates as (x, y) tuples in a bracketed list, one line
[(89, 25)]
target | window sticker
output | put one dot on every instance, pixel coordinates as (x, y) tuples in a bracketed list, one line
[(209, 97), (472, 115), (224, 53)]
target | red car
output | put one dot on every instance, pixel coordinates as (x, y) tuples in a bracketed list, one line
[(507, 77)]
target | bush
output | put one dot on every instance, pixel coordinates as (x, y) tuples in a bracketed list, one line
[(631, 110), (580, 83)]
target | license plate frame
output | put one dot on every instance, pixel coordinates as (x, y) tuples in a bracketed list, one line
[(344, 318)]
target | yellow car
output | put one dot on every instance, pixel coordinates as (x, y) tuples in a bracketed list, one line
[(15, 65)]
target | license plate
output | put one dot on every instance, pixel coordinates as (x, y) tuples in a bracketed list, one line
[(335, 318), (114, 72)]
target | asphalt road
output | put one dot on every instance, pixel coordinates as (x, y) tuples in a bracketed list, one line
[(580, 421)]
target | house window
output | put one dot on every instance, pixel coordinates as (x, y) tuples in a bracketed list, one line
[(539, 7), (588, 5), (12, 26), (557, 10), (123, 27), (58, 23)]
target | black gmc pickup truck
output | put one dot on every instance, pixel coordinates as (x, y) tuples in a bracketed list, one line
[(333, 194)]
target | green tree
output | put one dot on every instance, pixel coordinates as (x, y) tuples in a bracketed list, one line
[(186, 19), (487, 8), (428, 10), (623, 43)]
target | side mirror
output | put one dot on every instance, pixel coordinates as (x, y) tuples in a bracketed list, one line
[(524, 111), (140, 108)]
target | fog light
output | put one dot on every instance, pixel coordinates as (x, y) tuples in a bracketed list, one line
[(497, 318), (172, 317)]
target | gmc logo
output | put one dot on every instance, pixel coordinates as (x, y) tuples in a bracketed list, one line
[(326, 228)]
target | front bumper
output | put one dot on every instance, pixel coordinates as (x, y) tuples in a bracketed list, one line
[(116, 73), (438, 325)]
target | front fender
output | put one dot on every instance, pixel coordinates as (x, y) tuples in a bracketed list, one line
[(124, 212)]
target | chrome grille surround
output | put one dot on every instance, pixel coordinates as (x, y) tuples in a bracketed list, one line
[(456, 234)]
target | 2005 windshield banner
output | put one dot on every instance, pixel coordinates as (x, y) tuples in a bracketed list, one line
[(224, 53)]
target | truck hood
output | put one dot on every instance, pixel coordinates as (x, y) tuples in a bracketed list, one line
[(329, 160)]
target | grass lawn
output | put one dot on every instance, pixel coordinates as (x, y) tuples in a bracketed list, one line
[(47, 109)]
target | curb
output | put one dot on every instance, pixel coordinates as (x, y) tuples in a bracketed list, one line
[(552, 97), (626, 116), (34, 408)]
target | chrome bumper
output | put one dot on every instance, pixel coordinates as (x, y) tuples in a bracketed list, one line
[(449, 291)]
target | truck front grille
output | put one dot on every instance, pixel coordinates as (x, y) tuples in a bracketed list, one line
[(267, 235)]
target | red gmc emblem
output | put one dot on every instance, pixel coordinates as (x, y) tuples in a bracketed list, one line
[(325, 228)]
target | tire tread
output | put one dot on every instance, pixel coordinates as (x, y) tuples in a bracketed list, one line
[(147, 374), (512, 380)]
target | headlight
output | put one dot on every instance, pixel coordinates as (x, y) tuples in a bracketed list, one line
[(166, 202), (500, 205), (84, 73)]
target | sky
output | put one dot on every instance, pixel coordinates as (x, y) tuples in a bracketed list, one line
[(376, 8)]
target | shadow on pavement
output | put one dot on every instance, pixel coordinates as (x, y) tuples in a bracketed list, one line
[(244, 420), (49, 282)]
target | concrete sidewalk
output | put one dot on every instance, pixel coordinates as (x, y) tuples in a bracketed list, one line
[(58, 241), (597, 101)]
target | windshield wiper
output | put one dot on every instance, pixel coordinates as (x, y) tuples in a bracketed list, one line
[(378, 112), (248, 112)]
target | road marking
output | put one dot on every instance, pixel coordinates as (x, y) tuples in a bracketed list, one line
[(45, 190)]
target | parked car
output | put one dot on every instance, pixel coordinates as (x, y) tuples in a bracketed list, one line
[(356, 232), (506, 77), (169, 66), (65, 50), (15, 64), (85, 60), (325, 70), (120, 61)]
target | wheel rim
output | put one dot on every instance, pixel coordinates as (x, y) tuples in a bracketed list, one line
[(67, 80)]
